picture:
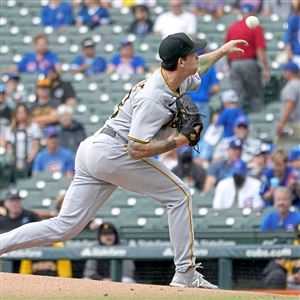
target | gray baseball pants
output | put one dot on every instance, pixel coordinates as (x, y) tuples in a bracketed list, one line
[(101, 165), (246, 80)]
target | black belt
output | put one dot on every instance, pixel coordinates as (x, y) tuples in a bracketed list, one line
[(109, 132)]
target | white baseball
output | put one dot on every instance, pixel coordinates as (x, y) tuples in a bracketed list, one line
[(252, 22)]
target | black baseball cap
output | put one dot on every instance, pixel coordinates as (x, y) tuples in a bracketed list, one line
[(13, 194), (87, 43), (178, 45)]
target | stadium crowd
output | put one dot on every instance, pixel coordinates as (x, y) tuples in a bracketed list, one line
[(245, 172)]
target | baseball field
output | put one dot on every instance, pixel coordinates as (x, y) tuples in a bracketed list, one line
[(16, 286)]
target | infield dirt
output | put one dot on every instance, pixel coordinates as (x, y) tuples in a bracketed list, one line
[(16, 286)]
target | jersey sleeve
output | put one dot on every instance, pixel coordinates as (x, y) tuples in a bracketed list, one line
[(115, 60), (221, 119), (148, 117), (260, 38), (192, 83), (139, 62)]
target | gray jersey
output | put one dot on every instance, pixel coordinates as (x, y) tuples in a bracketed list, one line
[(148, 107)]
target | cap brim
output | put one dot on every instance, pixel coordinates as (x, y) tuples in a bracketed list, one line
[(199, 45)]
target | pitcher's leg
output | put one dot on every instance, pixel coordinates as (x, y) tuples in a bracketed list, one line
[(151, 178), (83, 198)]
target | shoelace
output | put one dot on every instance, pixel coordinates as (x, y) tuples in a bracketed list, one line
[(199, 265)]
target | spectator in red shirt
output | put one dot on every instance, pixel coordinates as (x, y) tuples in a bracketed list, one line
[(245, 68)]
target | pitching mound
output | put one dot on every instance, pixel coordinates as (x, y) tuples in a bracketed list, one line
[(14, 286)]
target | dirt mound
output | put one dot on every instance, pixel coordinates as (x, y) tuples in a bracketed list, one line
[(31, 286)]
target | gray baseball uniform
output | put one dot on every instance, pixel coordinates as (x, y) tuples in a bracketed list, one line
[(102, 164)]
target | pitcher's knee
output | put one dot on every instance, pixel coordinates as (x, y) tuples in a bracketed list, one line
[(67, 228), (183, 195)]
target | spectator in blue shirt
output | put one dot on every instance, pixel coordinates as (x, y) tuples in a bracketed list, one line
[(282, 218), (280, 174), (230, 113), (92, 14), (126, 63), (57, 14), (222, 169), (292, 34), (41, 61), (89, 64), (209, 85), (53, 158)]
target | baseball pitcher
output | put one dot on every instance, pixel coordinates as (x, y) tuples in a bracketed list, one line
[(120, 154)]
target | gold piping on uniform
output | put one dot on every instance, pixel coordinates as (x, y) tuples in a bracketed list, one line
[(188, 205), (137, 140), (168, 83)]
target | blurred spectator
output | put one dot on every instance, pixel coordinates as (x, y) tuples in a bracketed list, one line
[(89, 63), (212, 136), (230, 113), (14, 94), (92, 14), (57, 14), (275, 275), (175, 20), (238, 190), (259, 162), (126, 63), (5, 110), (279, 7), (222, 169), (16, 214), (169, 159), (212, 7), (282, 218), (245, 67), (53, 158), (208, 87), (71, 132), (43, 110), (256, 5), (142, 24), (61, 90), (241, 131), (41, 61), (100, 269), (280, 174), (23, 139), (76, 6), (187, 170), (129, 3), (288, 127), (292, 34)]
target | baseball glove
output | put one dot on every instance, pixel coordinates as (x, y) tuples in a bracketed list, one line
[(188, 117)]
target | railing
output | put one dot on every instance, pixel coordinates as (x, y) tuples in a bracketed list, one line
[(116, 254)]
